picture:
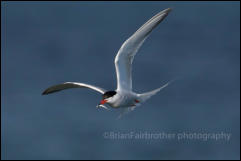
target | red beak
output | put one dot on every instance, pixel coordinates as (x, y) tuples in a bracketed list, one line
[(103, 102)]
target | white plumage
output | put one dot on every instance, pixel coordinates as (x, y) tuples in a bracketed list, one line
[(123, 96)]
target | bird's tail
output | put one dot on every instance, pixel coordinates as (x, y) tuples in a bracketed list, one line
[(142, 98), (145, 96)]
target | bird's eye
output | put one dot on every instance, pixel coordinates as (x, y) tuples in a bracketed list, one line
[(104, 97)]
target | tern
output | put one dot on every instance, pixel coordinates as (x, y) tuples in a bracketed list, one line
[(123, 97)]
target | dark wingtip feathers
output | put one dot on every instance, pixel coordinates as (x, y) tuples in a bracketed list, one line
[(47, 91)]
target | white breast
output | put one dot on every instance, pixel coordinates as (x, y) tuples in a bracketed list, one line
[(122, 99)]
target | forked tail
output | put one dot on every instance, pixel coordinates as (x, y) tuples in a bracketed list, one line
[(142, 98), (145, 96)]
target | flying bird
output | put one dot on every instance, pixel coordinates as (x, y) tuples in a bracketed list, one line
[(123, 97)]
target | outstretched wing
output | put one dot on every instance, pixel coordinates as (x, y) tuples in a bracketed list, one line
[(125, 55), (68, 85)]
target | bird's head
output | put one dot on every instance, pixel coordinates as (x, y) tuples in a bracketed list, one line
[(107, 97)]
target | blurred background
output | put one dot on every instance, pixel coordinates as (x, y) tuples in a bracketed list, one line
[(46, 43)]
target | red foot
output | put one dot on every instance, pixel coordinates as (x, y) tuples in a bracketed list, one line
[(137, 101)]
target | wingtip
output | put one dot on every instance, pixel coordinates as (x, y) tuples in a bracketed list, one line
[(49, 91), (45, 92), (168, 10)]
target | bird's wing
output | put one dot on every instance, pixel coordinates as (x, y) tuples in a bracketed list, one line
[(126, 53), (68, 85)]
